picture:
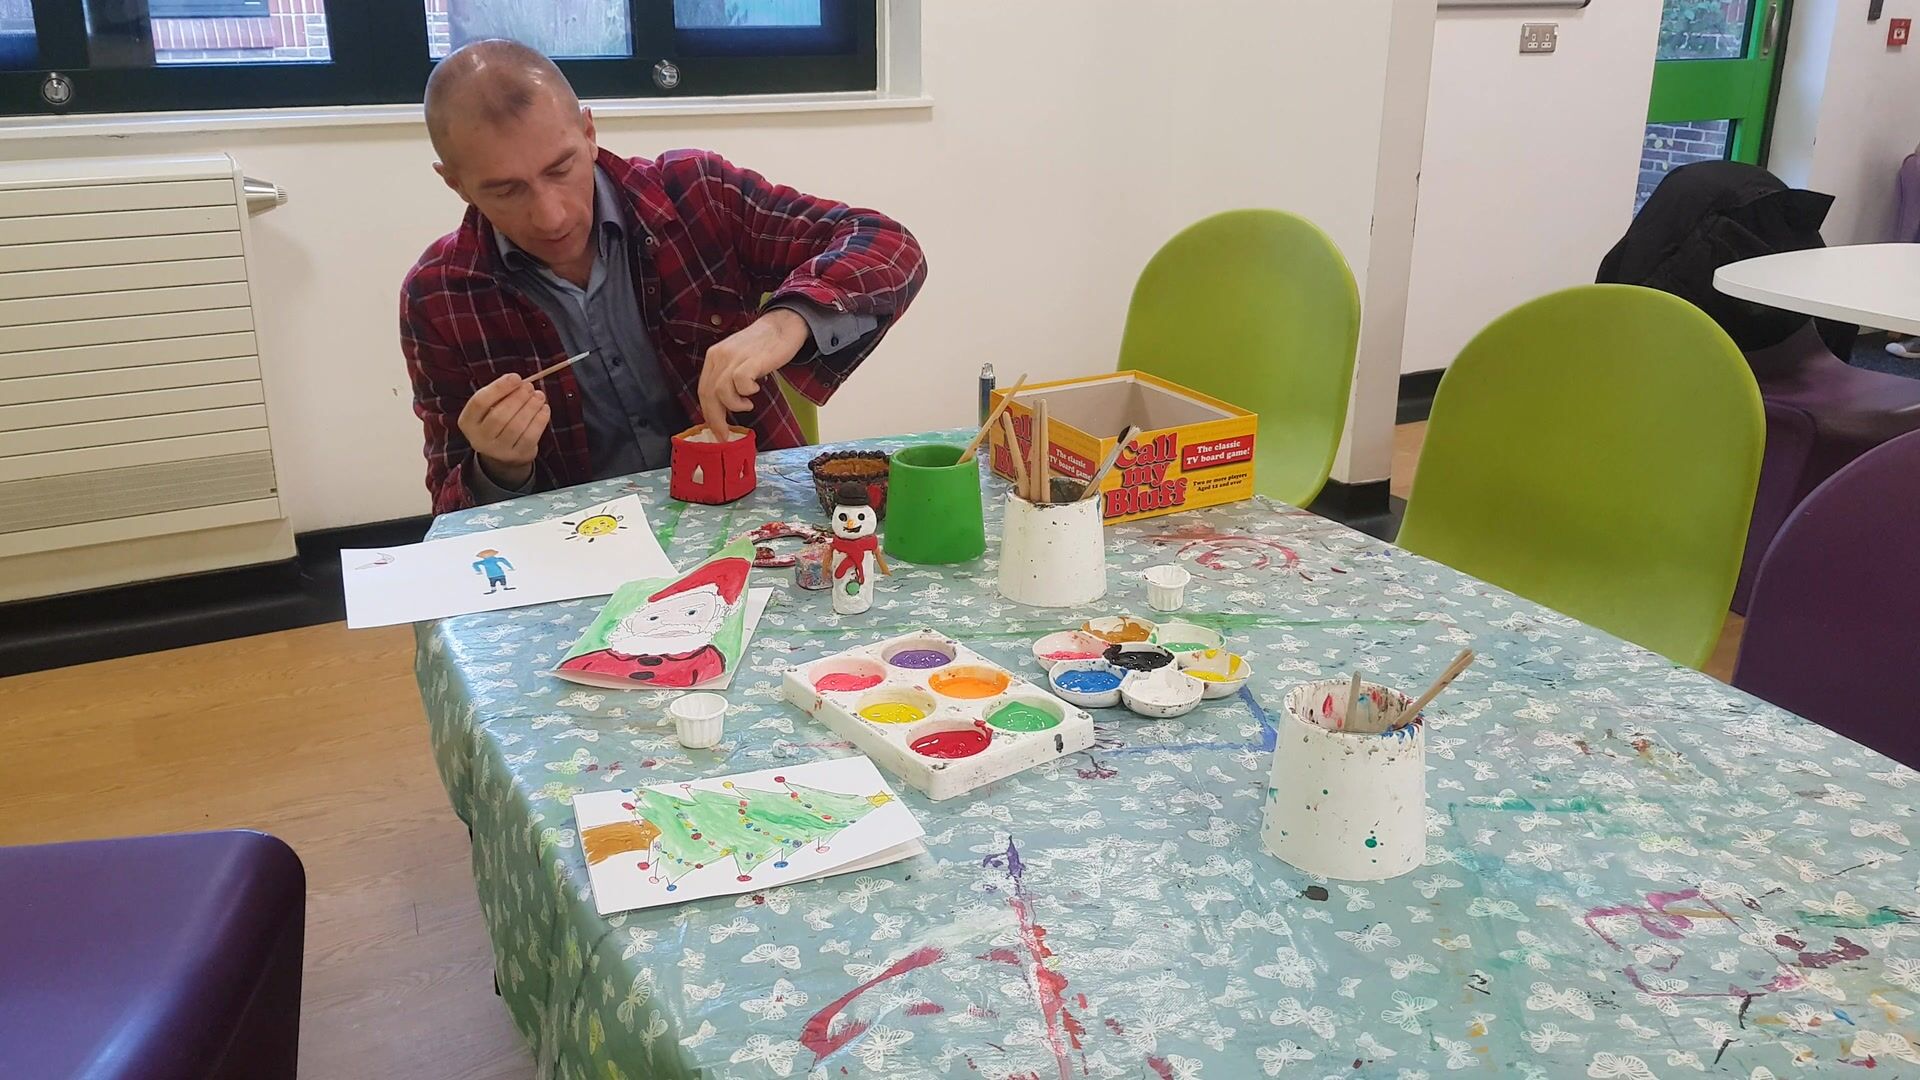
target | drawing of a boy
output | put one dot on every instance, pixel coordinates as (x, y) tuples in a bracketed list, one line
[(495, 566)]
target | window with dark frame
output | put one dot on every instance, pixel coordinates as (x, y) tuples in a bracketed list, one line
[(106, 56)]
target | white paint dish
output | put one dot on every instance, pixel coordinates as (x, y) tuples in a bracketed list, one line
[(1223, 672), (891, 697), (1052, 555), (1167, 587), (1067, 645), (1118, 629), (1105, 699), (1161, 693), (1178, 636), (698, 719), (1343, 804)]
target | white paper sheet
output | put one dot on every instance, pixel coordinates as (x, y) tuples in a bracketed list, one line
[(588, 552), (801, 834), (756, 606)]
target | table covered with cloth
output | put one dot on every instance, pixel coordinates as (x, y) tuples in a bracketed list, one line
[(1632, 870)]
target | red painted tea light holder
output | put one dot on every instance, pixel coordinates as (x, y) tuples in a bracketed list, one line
[(704, 470)]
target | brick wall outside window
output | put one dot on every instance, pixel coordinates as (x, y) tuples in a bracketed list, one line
[(295, 31)]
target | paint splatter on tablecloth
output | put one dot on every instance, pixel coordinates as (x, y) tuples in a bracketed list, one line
[(1631, 870)]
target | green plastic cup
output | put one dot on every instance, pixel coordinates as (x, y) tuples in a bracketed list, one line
[(933, 507)]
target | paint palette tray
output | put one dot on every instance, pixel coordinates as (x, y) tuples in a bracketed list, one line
[(939, 715)]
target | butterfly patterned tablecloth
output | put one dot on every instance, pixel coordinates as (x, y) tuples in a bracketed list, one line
[(1631, 870)]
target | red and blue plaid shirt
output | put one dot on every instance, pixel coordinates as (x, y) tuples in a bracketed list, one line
[(712, 240)]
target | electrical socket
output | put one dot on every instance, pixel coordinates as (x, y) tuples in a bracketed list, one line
[(1539, 37)]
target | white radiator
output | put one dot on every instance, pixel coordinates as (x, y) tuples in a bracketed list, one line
[(133, 422)]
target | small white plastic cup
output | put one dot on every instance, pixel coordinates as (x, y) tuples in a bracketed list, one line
[(1167, 587), (698, 719)]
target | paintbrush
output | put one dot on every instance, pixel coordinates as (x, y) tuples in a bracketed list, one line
[(972, 447), (551, 368), (1460, 664), (1113, 457), (1353, 702), (1042, 495), (1013, 451)]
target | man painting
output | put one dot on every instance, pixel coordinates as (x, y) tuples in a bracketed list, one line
[(690, 280)]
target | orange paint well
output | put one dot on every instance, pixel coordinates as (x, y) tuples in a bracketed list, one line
[(970, 683)]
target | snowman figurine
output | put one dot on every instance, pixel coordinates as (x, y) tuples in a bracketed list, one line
[(854, 552)]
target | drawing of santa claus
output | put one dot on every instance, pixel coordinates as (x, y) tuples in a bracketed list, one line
[(669, 642)]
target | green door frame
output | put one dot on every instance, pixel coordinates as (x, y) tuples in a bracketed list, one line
[(1740, 90)]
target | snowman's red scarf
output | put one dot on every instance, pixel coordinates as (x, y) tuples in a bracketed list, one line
[(856, 552)]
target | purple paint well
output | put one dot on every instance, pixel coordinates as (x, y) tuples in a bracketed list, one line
[(1089, 682), (920, 659)]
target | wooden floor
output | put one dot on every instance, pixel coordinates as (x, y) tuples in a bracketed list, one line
[(316, 736)]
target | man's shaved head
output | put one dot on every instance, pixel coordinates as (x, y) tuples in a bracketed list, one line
[(491, 83), (514, 142)]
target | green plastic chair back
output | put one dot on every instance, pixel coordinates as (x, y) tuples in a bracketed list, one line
[(805, 412), (1257, 308), (1596, 451)]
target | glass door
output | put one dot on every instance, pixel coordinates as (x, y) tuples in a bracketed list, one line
[(1712, 85)]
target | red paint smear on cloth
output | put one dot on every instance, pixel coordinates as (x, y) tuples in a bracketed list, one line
[(815, 1035)]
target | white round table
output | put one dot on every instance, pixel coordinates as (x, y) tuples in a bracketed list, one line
[(1875, 285)]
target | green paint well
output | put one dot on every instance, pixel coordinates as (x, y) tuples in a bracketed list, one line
[(1876, 917), (1019, 716)]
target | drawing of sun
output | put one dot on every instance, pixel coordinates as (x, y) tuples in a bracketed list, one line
[(594, 526)]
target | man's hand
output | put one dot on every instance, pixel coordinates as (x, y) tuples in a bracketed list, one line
[(734, 367), (503, 422)]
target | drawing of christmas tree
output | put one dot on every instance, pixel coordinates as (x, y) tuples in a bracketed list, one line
[(748, 826)]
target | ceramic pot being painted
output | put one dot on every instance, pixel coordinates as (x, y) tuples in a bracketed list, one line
[(1343, 804)]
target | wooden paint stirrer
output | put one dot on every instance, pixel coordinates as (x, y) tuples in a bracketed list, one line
[(1460, 664), (986, 428)]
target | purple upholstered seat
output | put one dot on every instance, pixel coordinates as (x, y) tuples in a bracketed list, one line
[(161, 958), (1821, 414), (1832, 632)]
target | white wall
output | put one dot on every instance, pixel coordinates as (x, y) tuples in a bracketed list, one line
[(1530, 163), (1068, 140), (1849, 113)]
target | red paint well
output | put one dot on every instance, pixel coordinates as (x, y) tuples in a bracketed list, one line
[(951, 744), (845, 681)]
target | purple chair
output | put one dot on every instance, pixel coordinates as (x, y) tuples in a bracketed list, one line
[(1830, 631), (158, 958), (1821, 414)]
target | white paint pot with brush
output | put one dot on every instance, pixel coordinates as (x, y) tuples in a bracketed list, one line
[(1052, 555), (1348, 795)]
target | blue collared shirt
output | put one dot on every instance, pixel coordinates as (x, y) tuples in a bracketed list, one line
[(629, 414)]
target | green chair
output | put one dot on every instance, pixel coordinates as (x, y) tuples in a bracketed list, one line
[(1596, 451), (1258, 308), (805, 412)]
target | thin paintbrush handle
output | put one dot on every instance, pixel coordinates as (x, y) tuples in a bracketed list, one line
[(551, 368), (1113, 458), (1353, 701), (1460, 664), (974, 446)]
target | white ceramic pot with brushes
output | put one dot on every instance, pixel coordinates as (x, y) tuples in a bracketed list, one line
[(1052, 554), (1347, 803)]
